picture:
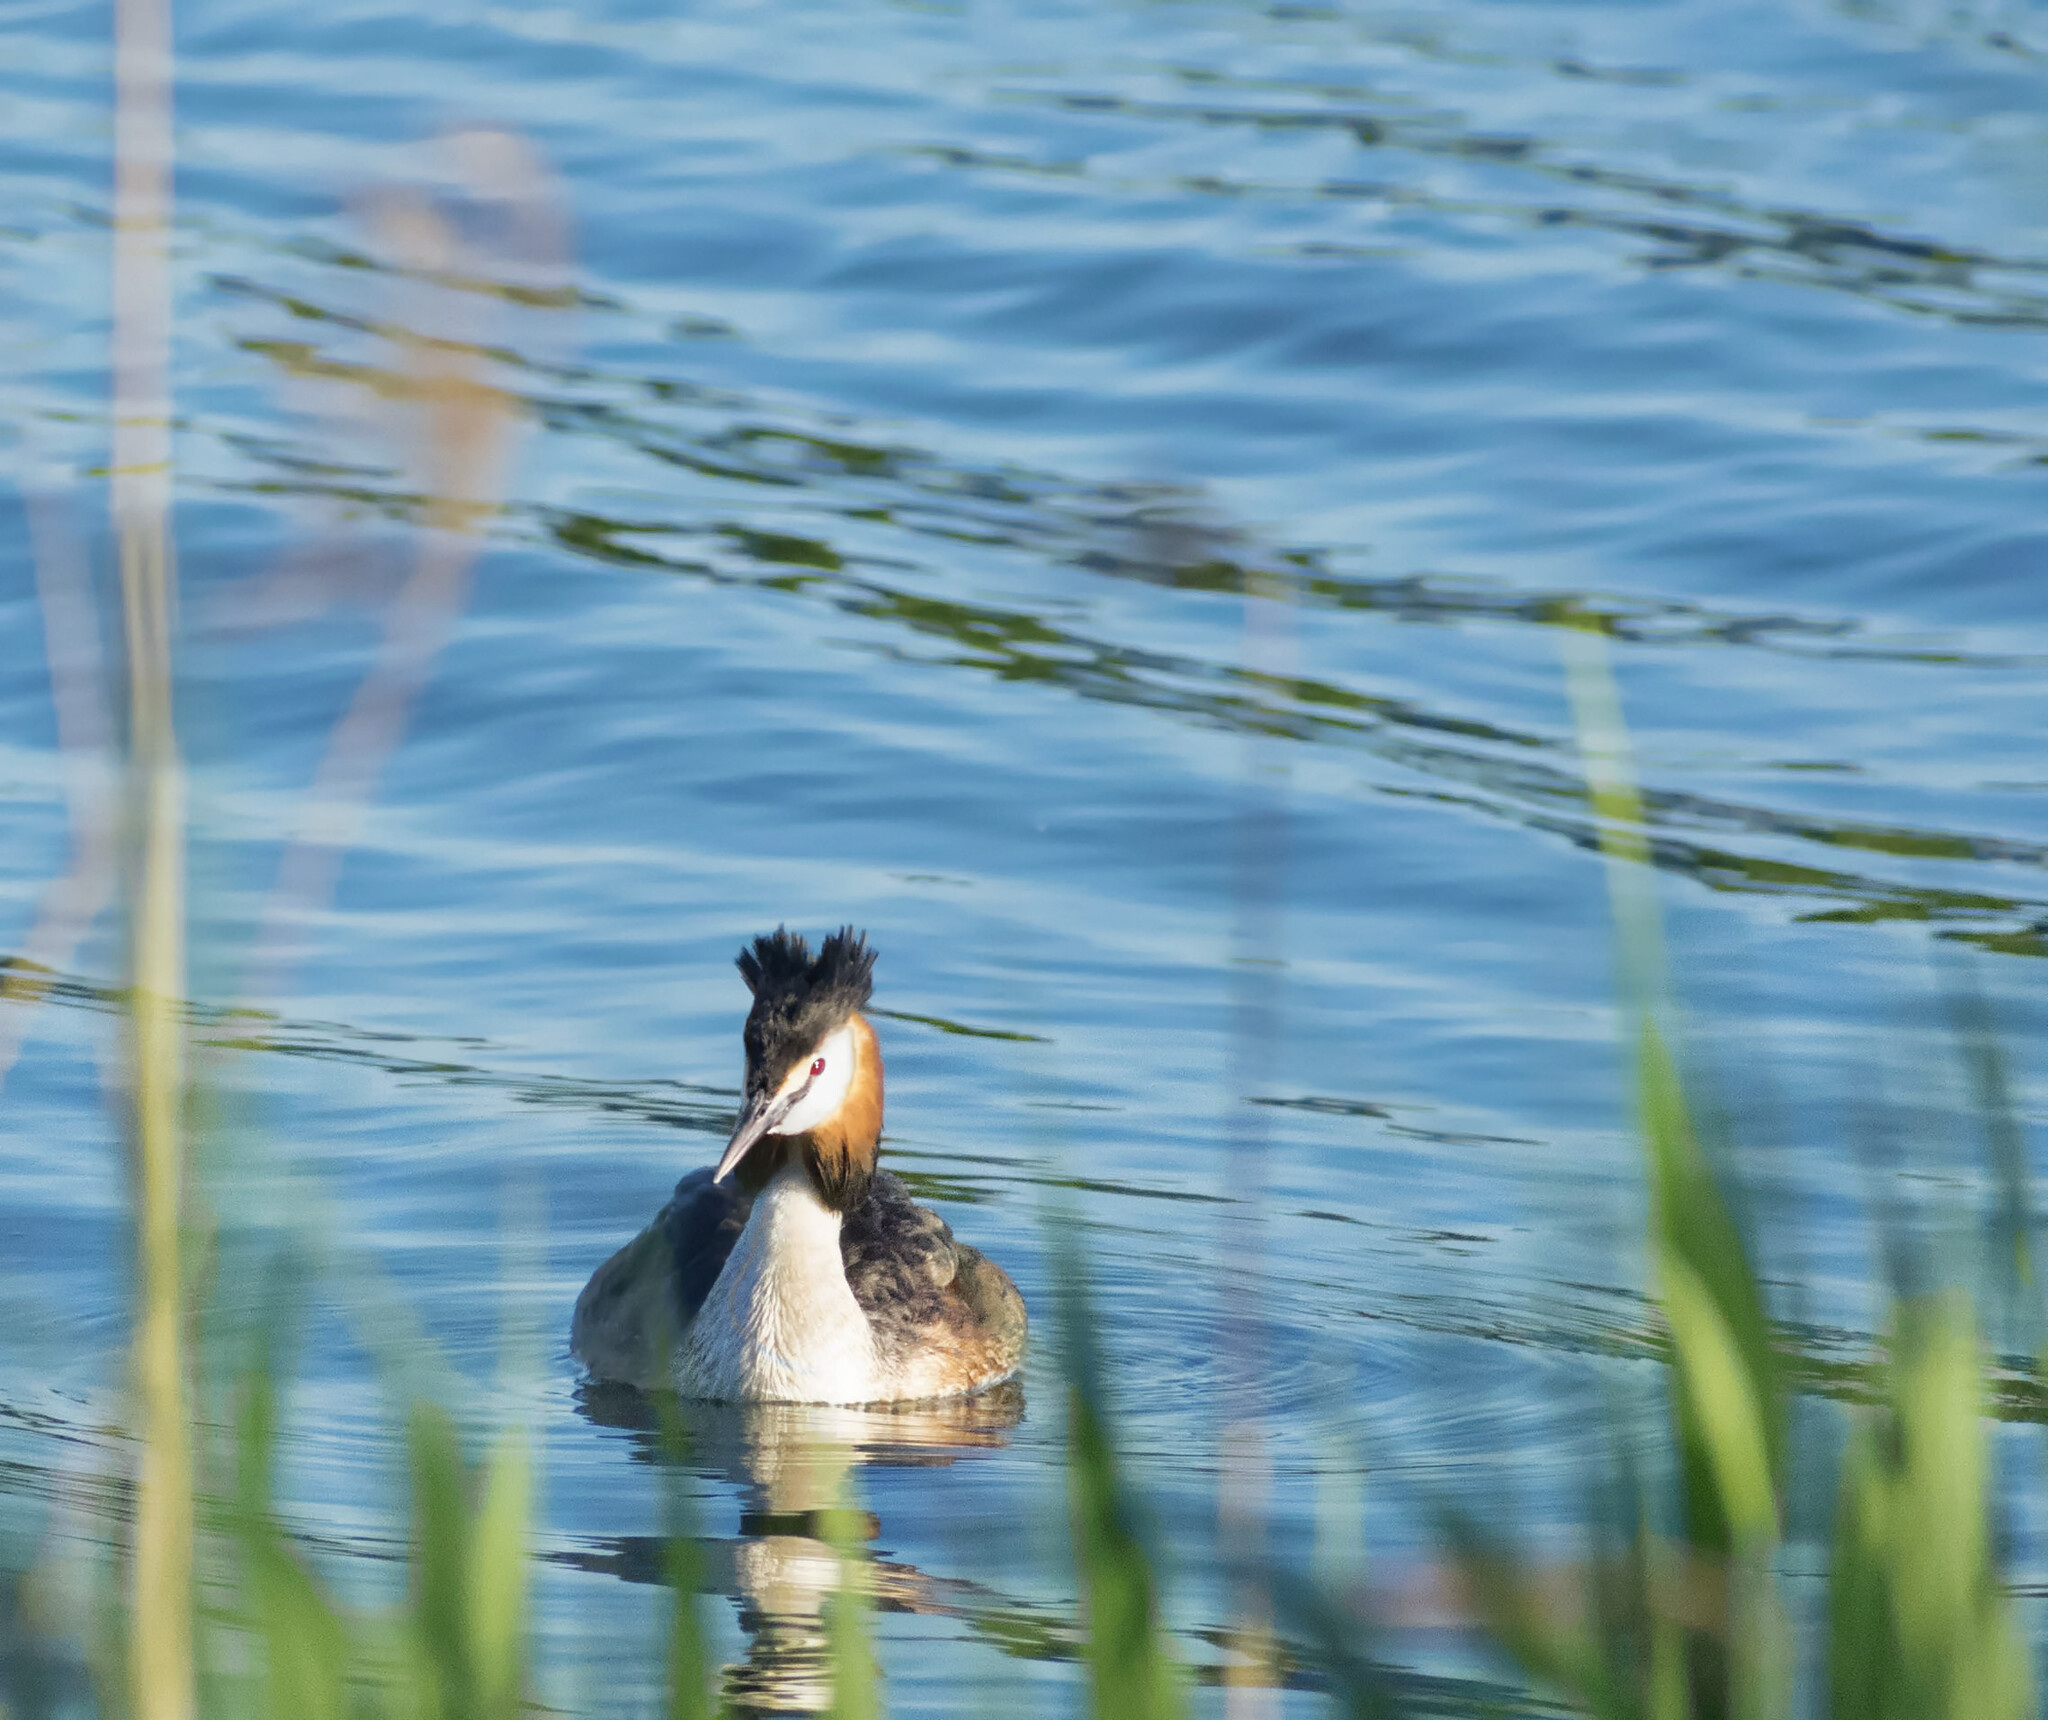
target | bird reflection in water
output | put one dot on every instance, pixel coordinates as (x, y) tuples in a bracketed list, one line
[(800, 1542)]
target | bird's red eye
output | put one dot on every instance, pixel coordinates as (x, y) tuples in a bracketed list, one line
[(818, 1067)]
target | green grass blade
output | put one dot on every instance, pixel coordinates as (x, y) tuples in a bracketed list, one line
[(440, 1563), (849, 1625), (689, 1694), (305, 1644), (1861, 1678), (1730, 1385), (1131, 1669), (1956, 1627), (1918, 1621), (1730, 1405), (689, 1682), (497, 1579), (1728, 1391), (306, 1650), (1721, 1401)]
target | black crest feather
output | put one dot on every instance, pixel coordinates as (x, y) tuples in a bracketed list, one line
[(798, 999)]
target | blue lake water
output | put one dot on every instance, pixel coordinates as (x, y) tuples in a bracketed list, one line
[(1092, 496)]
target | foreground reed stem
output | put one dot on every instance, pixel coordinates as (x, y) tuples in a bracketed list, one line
[(160, 1667)]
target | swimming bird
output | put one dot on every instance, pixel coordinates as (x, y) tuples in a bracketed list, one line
[(797, 1270)]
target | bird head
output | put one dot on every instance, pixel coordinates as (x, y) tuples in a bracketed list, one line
[(814, 1068)]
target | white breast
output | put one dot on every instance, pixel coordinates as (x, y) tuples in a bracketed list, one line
[(780, 1324)]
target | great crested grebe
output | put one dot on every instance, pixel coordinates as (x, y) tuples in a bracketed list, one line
[(796, 1271)]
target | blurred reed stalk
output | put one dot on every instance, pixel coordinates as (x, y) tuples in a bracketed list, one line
[(454, 433), (1257, 896), (160, 1664)]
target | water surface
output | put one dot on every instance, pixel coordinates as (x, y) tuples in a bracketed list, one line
[(1088, 495)]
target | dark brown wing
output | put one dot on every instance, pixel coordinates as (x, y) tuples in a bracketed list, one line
[(641, 1300), (702, 1221), (914, 1282), (993, 1296)]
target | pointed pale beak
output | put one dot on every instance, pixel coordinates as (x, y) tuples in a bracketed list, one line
[(760, 1114)]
